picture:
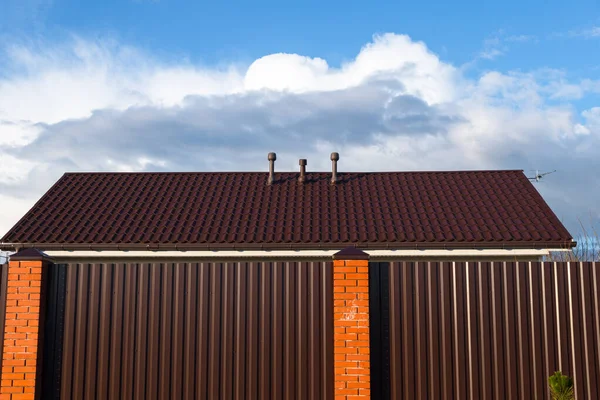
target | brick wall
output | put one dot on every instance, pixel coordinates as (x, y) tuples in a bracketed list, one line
[(21, 330), (351, 329)]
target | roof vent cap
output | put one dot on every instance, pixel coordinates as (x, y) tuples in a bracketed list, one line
[(334, 159), (302, 177), (272, 157)]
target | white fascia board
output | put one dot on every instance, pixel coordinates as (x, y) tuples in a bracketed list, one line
[(253, 254)]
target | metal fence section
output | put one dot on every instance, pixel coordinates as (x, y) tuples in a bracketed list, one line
[(3, 292), (493, 330), (234, 330), (379, 322)]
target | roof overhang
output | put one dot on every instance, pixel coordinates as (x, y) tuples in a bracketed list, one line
[(184, 247), (390, 254)]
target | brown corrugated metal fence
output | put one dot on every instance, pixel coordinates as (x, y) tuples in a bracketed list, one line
[(198, 331), (3, 291), (493, 330)]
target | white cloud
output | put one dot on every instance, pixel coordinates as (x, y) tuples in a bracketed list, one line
[(13, 170), (589, 33), (490, 53), (395, 57), (592, 117), (585, 33), (521, 38), (497, 44), (13, 208), (17, 133), (99, 105)]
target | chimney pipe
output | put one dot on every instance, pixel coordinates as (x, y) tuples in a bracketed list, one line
[(334, 159), (302, 177), (272, 157)]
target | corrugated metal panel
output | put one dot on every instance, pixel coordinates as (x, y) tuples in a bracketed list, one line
[(198, 331), (3, 291), (54, 309), (379, 334), (493, 330)]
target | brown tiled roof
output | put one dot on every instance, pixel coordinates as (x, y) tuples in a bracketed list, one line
[(238, 210)]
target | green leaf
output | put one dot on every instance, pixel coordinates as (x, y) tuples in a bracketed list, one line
[(561, 387)]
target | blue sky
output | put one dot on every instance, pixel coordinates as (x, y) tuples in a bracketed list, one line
[(213, 32), (397, 85)]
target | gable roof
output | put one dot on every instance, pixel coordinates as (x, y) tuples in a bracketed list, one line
[(466, 209)]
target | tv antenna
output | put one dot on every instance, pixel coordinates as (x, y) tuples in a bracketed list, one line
[(538, 176)]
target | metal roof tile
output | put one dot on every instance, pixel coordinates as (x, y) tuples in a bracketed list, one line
[(239, 208)]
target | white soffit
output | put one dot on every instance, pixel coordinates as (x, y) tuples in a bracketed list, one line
[(297, 253)]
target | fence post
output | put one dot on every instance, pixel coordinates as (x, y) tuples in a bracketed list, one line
[(23, 328), (351, 324)]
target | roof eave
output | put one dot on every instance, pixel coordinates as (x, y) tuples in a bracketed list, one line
[(566, 244)]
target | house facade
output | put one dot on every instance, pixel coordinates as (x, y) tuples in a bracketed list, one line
[(264, 285), (310, 215)]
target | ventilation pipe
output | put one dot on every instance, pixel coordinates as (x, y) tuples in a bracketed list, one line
[(272, 157), (302, 177), (334, 159)]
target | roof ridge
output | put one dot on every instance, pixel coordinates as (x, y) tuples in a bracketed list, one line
[(291, 172)]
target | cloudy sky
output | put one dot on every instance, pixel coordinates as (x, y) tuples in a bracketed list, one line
[(163, 85)]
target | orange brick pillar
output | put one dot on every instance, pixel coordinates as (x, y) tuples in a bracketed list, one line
[(351, 324), (23, 334)]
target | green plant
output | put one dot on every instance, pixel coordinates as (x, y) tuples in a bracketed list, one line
[(561, 387)]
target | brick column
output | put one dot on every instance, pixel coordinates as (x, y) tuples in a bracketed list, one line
[(21, 364), (351, 324)]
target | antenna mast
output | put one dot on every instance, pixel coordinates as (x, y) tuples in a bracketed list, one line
[(538, 176)]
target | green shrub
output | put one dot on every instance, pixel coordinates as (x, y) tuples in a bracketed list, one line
[(561, 387)]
